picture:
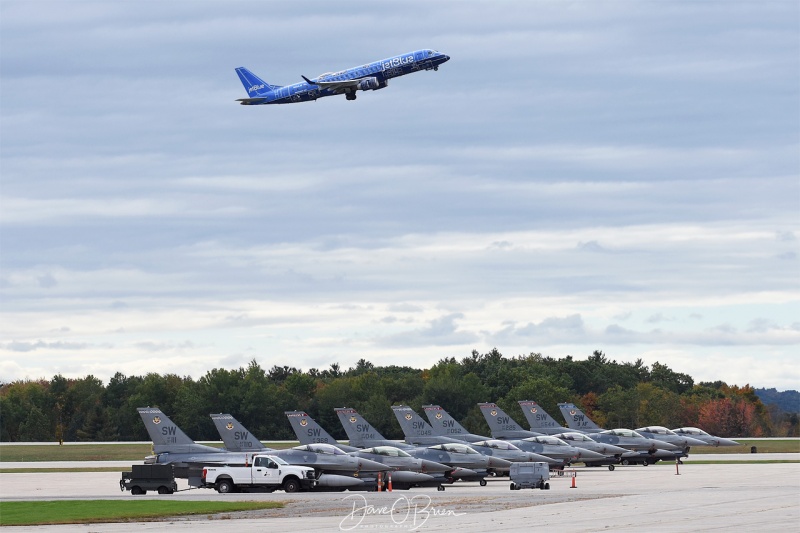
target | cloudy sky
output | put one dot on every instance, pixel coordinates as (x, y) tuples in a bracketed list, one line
[(616, 176)]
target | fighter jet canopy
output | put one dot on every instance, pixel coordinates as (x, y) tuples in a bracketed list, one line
[(496, 444), (622, 432), (455, 448), (388, 451), (658, 430), (320, 448)]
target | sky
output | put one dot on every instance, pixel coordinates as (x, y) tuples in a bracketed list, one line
[(621, 176)]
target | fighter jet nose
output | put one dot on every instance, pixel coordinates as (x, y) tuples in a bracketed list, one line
[(589, 454), (432, 466), (372, 466), (496, 462)]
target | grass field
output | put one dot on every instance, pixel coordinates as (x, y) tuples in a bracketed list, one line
[(89, 511), (113, 451), (764, 446)]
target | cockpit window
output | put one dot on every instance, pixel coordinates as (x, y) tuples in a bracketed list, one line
[(321, 448)]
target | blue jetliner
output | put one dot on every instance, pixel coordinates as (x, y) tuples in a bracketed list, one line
[(369, 77)]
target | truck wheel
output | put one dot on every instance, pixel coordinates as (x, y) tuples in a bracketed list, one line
[(225, 486), (483, 483), (626, 462), (164, 490), (291, 485), (136, 490)]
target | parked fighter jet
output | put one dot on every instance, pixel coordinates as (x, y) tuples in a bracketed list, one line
[(442, 422), (407, 471), (504, 427), (470, 465), (172, 446), (324, 458), (539, 420), (578, 421), (613, 454), (667, 435), (697, 433)]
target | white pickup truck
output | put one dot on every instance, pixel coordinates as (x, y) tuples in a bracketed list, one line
[(267, 473)]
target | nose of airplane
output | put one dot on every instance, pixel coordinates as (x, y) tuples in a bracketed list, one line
[(661, 445), (726, 442), (496, 462), (588, 454), (537, 458), (371, 466), (693, 442), (610, 449), (433, 466)]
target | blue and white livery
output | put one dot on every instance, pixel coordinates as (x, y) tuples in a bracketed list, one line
[(370, 77)]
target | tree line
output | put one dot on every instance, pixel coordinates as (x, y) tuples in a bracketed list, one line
[(613, 394)]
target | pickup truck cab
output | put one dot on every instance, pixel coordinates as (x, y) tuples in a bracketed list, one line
[(267, 473)]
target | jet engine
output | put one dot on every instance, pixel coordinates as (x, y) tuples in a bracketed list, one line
[(368, 84)]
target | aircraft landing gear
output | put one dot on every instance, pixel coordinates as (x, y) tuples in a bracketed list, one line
[(350, 96), (435, 68)]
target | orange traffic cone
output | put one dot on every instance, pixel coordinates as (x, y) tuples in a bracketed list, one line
[(380, 481), (390, 482), (574, 486)]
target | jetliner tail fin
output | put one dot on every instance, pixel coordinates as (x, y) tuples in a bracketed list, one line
[(234, 435), (499, 422), (307, 429), (576, 419), (254, 85), (538, 418), (162, 430)]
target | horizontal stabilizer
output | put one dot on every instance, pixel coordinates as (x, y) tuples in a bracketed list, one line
[(251, 101)]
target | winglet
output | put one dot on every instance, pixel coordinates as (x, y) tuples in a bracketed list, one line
[(308, 81)]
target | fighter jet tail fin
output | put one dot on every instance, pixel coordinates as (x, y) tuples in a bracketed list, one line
[(307, 429), (411, 423), (538, 418), (500, 424), (359, 432), (234, 435), (162, 430), (576, 419), (442, 423)]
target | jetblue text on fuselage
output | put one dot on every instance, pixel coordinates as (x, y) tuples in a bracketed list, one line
[(369, 77)]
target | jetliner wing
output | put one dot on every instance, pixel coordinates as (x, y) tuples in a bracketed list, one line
[(335, 85)]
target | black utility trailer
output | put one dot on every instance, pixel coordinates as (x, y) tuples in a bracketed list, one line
[(142, 478)]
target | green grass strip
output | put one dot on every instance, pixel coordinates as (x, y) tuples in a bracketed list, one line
[(733, 462), (91, 511), (34, 470)]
